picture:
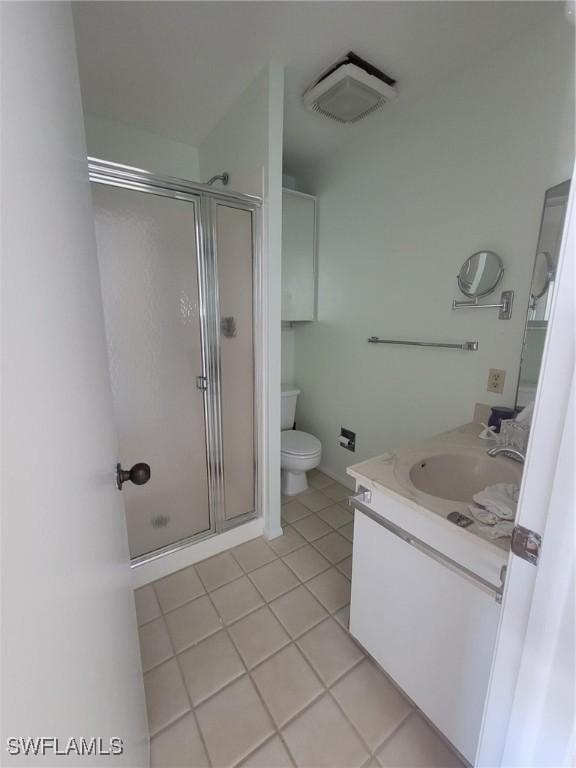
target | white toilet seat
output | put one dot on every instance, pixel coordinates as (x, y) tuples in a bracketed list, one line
[(299, 444)]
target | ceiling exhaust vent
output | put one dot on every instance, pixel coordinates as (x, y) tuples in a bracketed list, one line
[(350, 90)]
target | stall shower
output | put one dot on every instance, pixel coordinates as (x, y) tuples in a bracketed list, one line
[(179, 274)]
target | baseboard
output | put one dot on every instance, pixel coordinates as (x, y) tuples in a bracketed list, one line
[(342, 479), (273, 533), (175, 561)]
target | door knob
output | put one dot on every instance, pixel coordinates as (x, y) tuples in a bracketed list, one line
[(139, 474)]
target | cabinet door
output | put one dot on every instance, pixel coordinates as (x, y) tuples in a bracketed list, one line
[(430, 629), (298, 256)]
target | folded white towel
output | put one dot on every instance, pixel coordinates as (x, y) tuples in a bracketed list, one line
[(483, 515), (500, 499), (498, 531)]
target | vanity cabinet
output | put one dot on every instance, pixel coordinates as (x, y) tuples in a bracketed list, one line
[(298, 256), (430, 628)]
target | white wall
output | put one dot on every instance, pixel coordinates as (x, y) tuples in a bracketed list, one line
[(119, 143), (239, 141), (288, 351), (247, 142), (273, 306), (400, 208)]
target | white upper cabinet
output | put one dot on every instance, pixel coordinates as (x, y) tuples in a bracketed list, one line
[(298, 256)]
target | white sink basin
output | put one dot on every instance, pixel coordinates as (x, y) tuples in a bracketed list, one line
[(458, 476)]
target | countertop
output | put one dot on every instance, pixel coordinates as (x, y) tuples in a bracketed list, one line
[(389, 474)]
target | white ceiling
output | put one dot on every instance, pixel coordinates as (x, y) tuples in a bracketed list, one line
[(174, 68)]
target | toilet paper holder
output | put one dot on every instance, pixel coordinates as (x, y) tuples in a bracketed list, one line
[(347, 439)]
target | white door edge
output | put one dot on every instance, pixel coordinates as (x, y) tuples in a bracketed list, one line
[(538, 481)]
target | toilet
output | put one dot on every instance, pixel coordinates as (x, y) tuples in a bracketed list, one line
[(299, 451)]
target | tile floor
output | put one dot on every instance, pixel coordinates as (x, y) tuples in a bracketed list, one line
[(248, 662)]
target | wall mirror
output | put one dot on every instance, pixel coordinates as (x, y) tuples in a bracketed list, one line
[(480, 274), (541, 290)]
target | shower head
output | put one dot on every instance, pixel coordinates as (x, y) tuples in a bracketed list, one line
[(223, 177)]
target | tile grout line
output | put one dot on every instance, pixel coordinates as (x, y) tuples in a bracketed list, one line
[(350, 723), (319, 573), (343, 677), (312, 542), (151, 584), (328, 686), (296, 548), (204, 594), (226, 627), (163, 661), (326, 689), (277, 731), (335, 562), (371, 752), (414, 710), (308, 628), (281, 594), (395, 730), (247, 672), (331, 613), (183, 681), (176, 655), (275, 735), (303, 581), (331, 527), (245, 574)]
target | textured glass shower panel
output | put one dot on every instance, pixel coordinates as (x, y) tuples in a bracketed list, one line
[(234, 240), (148, 264)]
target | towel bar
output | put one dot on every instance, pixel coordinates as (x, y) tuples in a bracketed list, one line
[(466, 346)]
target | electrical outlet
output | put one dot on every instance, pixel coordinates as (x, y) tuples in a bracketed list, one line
[(496, 378)]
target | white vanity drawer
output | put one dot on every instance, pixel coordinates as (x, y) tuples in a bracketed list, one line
[(472, 552), (431, 629)]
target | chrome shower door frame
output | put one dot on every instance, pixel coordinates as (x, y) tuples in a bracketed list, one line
[(204, 201), (253, 206)]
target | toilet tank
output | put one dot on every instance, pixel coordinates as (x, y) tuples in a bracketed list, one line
[(288, 410)]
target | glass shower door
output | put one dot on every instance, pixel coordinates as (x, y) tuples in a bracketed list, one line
[(235, 273), (147, 247)]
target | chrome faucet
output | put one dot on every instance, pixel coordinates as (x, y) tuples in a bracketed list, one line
[(511, 453)]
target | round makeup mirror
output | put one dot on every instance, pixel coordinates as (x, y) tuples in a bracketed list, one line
[(480, 274), (543, 275)]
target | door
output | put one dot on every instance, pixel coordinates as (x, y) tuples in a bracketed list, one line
[(70, 657), (544, 507), (235, 268), (298, 256), (148, 259), (542, 726)]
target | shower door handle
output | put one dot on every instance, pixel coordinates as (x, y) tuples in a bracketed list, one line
[(229, 327), (139, 474)]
